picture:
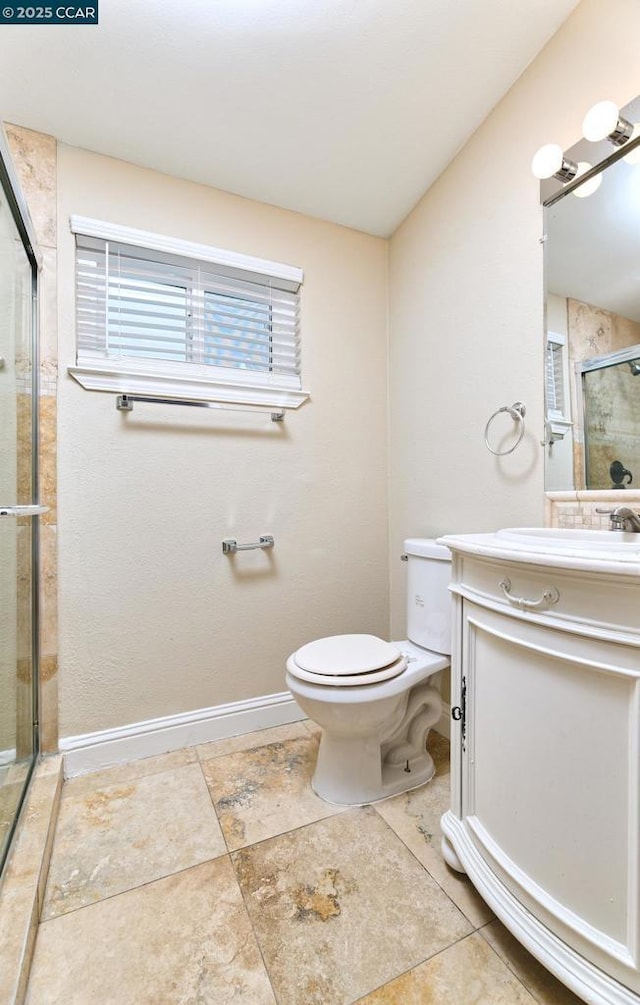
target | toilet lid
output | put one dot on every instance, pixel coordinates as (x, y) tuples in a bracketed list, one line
[(344, 660)]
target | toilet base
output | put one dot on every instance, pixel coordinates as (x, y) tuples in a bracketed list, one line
[(356, 786), (373, 742)]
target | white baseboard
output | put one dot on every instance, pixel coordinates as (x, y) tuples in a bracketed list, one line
[(93, 751), (7, 757)]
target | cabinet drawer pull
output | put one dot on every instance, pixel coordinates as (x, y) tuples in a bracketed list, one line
[(549, 597)]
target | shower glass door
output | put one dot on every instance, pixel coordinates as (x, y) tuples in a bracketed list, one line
[(18, 514)]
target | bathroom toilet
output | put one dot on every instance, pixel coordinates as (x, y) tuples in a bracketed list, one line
[(375, 700)]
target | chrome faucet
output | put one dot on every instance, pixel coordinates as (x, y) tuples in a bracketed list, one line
[(623, 518)]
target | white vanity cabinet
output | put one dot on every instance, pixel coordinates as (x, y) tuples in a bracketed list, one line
[(545, 812)]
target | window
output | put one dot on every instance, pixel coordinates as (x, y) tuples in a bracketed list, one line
[(555, 376), (156, 315), (556, 399)]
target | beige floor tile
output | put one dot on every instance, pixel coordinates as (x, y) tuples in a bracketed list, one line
[(415, 817), (10, 796), (267, 791), (123, 773), (183, 940), (233, 744), (468, 973), (313, 728), (544, 987), (341, 907), (24, 877), (124, 835)]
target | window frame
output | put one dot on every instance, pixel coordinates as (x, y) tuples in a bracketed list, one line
[(189, 380), (557, 420)]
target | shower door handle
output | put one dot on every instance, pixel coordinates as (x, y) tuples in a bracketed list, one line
[(23, 510)]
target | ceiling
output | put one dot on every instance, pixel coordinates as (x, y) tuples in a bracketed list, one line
[(345, 110)]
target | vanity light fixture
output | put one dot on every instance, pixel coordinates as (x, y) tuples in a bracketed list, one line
[(550, 162), (590, 186), (604, 122)]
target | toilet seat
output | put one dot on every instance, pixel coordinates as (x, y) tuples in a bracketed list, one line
[(347, 660)]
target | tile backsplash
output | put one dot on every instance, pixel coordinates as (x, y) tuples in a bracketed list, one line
[(578, 510)]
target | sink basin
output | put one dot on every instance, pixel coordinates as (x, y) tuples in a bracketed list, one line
[(605, 550), (559, 537)]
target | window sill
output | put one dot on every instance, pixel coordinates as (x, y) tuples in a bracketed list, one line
[(557, 426), (96, 378)]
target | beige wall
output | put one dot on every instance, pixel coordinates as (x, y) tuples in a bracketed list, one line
[(154, 620), (466, 300)]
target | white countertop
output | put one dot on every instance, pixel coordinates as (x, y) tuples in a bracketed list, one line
[(586, 550)]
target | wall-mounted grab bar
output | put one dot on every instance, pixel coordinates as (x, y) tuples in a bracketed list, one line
[(124, 403), (230, 546)]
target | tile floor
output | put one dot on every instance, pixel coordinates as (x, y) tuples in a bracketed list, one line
[(215, 876)]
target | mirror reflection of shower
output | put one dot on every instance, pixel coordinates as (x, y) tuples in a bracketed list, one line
[(611, 411), (591, 254)]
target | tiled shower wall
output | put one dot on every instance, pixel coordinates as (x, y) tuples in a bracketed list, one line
[(35, 159)]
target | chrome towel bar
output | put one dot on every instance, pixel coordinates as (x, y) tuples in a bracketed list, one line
[(124, 403), (230, 546)]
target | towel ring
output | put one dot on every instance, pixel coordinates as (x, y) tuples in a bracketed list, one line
[(517, 411)]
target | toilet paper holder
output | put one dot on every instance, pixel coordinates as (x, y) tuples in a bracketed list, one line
[(230, 546)]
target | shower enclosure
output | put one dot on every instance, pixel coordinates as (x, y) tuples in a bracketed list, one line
[(19, 509)]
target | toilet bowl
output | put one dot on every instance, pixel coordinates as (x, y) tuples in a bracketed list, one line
[(374, 700)]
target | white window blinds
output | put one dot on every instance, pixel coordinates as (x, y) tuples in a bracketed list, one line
[(145, 309), (554, 375)]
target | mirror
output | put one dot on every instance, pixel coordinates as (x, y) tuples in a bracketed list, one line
[(592, 295)]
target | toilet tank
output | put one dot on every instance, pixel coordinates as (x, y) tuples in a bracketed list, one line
[(428, 597)]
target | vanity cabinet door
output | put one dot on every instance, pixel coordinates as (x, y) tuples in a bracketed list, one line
[(550, 778)]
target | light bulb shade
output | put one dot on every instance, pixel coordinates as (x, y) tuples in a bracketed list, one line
[(547, 160), (590, 186), (603, 121)]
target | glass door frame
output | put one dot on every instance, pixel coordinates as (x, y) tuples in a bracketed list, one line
[(12, 191)]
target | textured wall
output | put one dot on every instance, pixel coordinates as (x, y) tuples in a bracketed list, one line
[(154, 619), (466, 295)]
